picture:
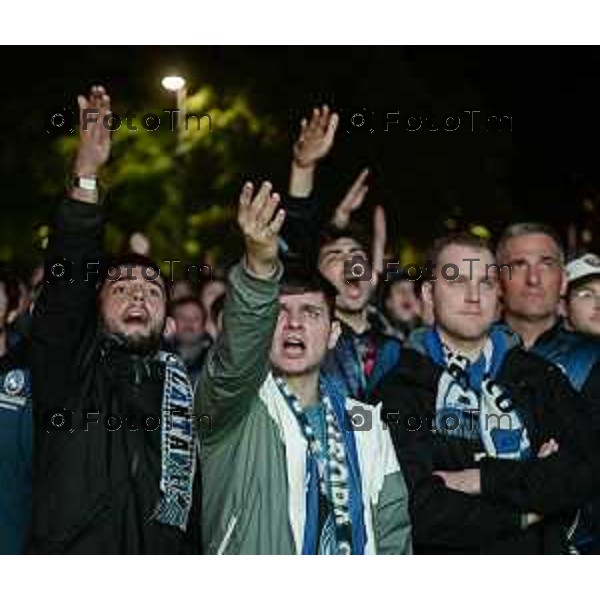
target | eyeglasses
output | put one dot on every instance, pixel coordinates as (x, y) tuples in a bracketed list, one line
[(586, 295)]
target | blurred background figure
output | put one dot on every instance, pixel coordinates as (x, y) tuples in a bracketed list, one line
[(210, 292), (190, 339), (401, 306), (181, 289), (583, 294)]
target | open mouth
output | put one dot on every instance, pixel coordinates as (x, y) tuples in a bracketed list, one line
[(293, 347), (136, 317), (353, 289)]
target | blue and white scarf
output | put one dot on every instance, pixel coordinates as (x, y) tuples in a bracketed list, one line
[(179, 437), (471, 405), (332, 474)]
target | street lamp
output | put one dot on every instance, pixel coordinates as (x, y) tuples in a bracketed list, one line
[(177, 84)]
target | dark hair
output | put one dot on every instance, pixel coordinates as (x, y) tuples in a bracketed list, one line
[(186, 300), (387, 283), (299, 279), (459, 238), (330, 233), (134, 260)]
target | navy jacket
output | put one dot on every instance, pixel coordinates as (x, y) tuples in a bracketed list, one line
[(15, 450)]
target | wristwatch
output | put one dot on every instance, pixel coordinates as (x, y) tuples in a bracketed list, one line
[(85, 183)]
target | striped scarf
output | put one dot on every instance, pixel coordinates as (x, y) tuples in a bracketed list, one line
[(179, 438), (471, 405)]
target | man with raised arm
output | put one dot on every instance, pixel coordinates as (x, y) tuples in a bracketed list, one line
[(116, 468), (290, 465), (365, 351)]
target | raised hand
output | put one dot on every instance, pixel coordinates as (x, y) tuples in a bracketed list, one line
[(316, 137), (379, 239), (351, 201), (94, 136), (260, 222)]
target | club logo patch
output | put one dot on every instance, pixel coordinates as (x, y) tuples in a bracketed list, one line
[(14, 382)]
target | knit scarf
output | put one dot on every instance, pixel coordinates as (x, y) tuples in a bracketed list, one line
[(471, 405), (179, 438), (333, 478)]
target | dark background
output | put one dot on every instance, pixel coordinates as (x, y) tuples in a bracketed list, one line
[(545, 169)]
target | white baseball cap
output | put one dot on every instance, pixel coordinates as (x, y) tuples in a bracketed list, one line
[(583, 267)]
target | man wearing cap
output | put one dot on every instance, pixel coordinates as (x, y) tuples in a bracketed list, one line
[(115, 446), (583, 294)]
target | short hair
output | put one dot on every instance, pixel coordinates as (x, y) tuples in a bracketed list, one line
[(331, 233), (459, 238), (528, 228), (299, 279), (173, 306), (135, 260)]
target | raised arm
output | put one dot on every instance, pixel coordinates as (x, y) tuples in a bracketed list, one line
[(65, 309), (239, 362)]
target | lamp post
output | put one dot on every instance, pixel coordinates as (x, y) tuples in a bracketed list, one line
[(177, 84)]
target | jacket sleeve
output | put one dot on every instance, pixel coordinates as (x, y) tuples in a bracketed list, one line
[(300, 232), (591, 394), (440, 516), (65, 312), (391, 513), (238, 363), (565, 480)]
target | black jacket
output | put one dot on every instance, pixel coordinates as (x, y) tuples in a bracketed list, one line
[(447, 521), (94, 490)]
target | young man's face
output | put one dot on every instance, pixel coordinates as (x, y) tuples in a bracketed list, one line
[(537, 279), (464, 308), (189, 323), (402, 303), (303, 334), (134, 306), (583, 306), (353, 293)]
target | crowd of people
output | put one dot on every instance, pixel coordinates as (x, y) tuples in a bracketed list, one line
[(310, 402)]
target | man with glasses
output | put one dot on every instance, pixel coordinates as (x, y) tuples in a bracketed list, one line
[(583, 295)]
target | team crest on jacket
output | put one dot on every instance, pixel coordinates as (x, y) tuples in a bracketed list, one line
[(14, 382)]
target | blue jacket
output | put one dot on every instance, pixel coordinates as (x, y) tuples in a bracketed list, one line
[(578, 357), (15, 452)]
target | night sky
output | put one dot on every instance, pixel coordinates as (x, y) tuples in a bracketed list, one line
[(541, 170)]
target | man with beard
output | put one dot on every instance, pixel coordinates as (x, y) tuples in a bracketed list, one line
[(492, 439), (116, 467), (284, 469)]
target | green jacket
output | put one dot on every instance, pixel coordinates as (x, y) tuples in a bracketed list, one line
[(254, 456)]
